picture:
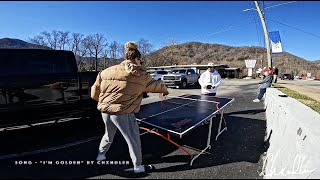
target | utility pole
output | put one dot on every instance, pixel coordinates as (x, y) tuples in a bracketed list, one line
[(266, 34)]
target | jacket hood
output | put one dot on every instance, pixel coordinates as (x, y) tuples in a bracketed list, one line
[(131, 68), (215, 72)]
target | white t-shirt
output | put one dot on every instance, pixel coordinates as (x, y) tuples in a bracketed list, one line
[(207, 78)]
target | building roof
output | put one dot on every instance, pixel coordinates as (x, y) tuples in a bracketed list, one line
[(187, 66), (231, 69)]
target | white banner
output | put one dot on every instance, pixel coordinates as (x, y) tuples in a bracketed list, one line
[(250, 63), (276, 46)]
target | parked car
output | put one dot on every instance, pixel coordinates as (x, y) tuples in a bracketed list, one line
[(286, 76), (157, 75), (180, 78), (38, 86)]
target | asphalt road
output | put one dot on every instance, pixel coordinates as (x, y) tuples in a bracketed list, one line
[(68, 150), (310, 88)]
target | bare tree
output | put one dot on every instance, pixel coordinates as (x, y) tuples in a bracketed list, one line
[(47, 36), (170, 59), (75, 43), (104, 58), (55, 39), (63, 39), (97, 43), (77, 46), (170, 42), (121, 51), (114, 49), (39, 40), (144, 47), (51, 38)]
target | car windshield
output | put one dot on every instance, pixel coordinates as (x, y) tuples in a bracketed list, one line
[(180, 71)]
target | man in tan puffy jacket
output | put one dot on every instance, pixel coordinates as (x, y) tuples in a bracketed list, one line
[(118, 90)]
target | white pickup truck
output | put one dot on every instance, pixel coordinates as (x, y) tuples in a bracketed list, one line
[(180, 78)]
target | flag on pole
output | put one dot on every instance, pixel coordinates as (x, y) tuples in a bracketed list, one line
[(276, 46)]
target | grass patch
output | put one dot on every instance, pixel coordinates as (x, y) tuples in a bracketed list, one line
[(313, 104)]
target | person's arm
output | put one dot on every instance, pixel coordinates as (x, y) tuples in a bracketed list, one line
[(264, 80), (200, 80), (155, 86), (218, 81), (95, 88)]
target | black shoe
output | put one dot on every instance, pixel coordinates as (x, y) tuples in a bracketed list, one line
[(147, 169)]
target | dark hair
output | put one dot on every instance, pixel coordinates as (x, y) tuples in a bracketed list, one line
[(131, 51), (131, 54)]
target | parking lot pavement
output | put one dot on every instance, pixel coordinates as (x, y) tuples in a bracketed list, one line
[(314, 84), (71, 147), (310, 88)]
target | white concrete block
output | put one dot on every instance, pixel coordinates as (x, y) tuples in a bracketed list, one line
[(294, 150)]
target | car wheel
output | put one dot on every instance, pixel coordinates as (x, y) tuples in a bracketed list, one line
[(184, 84)]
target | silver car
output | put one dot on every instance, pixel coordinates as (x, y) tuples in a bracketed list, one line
[(158, 74)]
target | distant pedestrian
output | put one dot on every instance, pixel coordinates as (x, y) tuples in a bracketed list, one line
[(275, 74), (264, 84)]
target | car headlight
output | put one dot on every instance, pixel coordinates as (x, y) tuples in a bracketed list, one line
[(177, 77)]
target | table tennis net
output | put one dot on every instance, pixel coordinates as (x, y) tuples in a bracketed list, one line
[(192, 102)]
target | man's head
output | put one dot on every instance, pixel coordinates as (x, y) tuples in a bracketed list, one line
[(132, 53), (210, 67)]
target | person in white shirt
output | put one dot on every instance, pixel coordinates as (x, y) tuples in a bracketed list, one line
[(209, 81)]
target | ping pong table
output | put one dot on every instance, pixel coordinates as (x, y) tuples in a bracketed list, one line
[(180, 115)]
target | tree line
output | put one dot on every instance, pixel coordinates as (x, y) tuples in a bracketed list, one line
[(93, 52)]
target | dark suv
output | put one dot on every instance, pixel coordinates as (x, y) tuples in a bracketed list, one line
[(286, 76), (39, 86)]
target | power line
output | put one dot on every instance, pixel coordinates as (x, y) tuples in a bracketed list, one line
[(271, 6), (295, 28), (158, 38), (281, 4)]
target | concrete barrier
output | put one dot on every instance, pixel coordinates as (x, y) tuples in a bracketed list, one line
[(294, 144)]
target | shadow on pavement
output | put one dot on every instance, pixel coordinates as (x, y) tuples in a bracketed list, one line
[(243, 141)]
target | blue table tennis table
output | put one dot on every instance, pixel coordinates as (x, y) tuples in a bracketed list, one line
[(180, 115)]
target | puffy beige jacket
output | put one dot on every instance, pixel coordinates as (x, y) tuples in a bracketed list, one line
[(118, 89)]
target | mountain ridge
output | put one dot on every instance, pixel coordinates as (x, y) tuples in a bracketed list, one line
[(204, 53), (17, 43), (233, 56)]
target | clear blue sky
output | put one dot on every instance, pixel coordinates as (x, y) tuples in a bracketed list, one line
[(221, 22)]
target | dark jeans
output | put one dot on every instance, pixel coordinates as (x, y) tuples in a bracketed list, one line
[(261, 93)]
